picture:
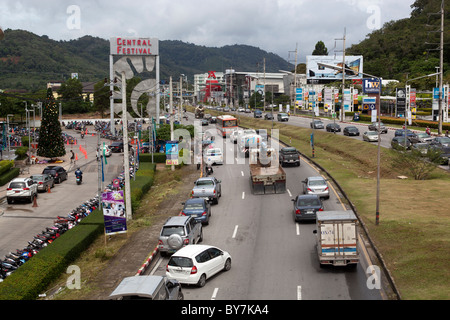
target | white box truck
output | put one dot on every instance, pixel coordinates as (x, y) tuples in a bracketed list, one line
[(337, 238)]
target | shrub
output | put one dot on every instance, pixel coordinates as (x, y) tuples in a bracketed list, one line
[(7, 177)]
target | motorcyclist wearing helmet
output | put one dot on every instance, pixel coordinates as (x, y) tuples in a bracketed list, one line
[(79, 173)]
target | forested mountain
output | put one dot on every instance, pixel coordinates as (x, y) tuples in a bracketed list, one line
[(406, 49), (29, 61)]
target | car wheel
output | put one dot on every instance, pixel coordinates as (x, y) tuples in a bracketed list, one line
[(200, 239), (202, 281), (227, 265), (9, 200)]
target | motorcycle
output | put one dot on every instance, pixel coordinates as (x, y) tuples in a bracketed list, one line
[(78, 180), (209, 170)]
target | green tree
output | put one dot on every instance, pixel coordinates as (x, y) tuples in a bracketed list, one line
[(320, 49), (51, 143), (101, 97)]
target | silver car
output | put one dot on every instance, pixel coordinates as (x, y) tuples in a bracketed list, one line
[(371, 136), (43, 181), (178, 232), (316, 185)]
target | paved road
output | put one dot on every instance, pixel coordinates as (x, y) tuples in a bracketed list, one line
[(273, 257), (20, 222)]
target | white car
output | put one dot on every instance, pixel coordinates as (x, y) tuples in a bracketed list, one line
[(234, 135), (195, 263), (213, 155), (21, 189), (107, 151)]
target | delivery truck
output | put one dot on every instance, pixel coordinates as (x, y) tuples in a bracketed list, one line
[(337, 238)]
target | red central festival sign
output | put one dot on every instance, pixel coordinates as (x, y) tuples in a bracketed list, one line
[(134, 46)]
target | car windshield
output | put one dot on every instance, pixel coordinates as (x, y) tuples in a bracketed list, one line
[(372, 133), (193, 206), (205, 183), (180, 262), (37, 178), (352, 129), (422, 135), (309, 202), (317, 183), (169, 230), (212, 152), (283, 114)]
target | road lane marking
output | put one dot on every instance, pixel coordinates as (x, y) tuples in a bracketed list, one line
[(290, 195), (156, 266), (243, 195), (214, 294), (235, 231), (297, 226), (242, 173), (299, 292)]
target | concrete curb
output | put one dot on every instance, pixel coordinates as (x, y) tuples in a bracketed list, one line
[(147, 262)]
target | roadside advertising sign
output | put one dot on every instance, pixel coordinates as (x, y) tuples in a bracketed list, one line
[(113, 205), (371, 86), (172, 152)]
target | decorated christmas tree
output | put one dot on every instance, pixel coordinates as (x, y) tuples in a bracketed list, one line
[(51, 143)]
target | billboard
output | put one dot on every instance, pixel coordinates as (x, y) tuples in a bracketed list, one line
[(354, 64)]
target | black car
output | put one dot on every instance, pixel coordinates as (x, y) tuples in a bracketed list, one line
[(400, 142), (351, 131), (268, 116), (213, 119), (116, 146), (306, 206), (289, 155), (333, 127), (205, 122), (57, 172)]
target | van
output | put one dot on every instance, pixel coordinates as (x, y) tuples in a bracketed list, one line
[(282, 117)]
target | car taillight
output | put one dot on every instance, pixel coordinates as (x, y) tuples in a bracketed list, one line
[(26, 188), (204, 213), (182, 213), (40, 182), (167, 268), (326, 188), (186, 241), (160, 242), (309, 189), (9, 189), (194, 270), (297, 211), (321, 209)]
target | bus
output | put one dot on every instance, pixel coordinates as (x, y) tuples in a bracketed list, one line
[(226, 124)]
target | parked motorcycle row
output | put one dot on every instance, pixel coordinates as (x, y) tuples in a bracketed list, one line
[(61, 224)]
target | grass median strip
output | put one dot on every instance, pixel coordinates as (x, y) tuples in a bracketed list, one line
[(413, 232)]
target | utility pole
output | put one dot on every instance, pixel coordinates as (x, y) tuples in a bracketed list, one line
[(441, 69), (295, 78), (342, 112), (171, 116), (126, 157), (264, 91)]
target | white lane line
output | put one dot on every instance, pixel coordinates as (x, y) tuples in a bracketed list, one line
[(214, 294), (297, 226), (290, 195), (299, 292), (156, 266), (235, 231), (243, 195), (242, 173)]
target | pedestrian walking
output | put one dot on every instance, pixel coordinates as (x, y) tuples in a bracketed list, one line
[(72, 157)]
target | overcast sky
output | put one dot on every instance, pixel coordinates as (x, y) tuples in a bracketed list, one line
[(272, 25)]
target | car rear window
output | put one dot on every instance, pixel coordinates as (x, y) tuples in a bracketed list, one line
[(194, 206), (181, 262), (37, 178), (290, 150), (169, 230), (49, 171), (317, 183), (205, 183), (17, 185), (309, 202)]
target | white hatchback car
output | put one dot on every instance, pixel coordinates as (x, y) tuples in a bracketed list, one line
[(213, 156), (195, 263)]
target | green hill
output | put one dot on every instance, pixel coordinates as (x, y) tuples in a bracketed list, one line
[(406, 48), (29, 61)]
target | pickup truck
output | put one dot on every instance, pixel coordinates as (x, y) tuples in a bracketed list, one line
[(289, 155), (337, 238), (208, 188)]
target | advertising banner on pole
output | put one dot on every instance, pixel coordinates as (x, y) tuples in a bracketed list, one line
[(114, 212), (171, 153)]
